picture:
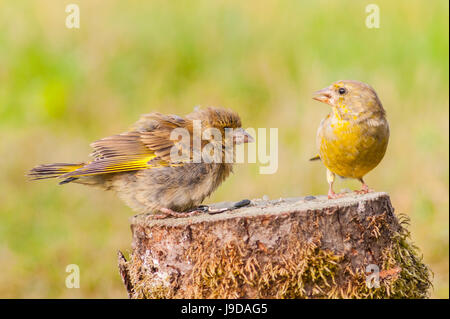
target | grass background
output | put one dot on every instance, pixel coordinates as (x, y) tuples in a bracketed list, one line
[(61, 89)]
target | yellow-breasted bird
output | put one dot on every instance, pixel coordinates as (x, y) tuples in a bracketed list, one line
[(139, 165), (353, 138)]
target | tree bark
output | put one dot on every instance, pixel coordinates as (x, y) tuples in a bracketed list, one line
[(312, 247)]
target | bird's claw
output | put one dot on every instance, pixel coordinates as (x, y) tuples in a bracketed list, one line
[(364, 190), (166, 212), (334, 195)]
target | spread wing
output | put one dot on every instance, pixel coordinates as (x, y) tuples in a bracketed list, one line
[(147, 146)]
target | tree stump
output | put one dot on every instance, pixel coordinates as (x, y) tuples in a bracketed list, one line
[(312, 247)]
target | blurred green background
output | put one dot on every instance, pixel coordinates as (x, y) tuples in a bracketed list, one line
[(61, 89)]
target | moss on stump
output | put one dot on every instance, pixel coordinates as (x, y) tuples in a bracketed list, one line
[(289, 248)]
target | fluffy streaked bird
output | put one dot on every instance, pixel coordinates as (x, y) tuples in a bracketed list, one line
[(353, 138), (137, 165)]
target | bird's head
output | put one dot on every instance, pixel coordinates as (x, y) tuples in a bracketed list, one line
[(223, 120), (351, 97)]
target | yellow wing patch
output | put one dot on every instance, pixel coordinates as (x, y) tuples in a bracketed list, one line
[(116, 164)]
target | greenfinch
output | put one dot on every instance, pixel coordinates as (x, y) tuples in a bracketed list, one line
[(138, 165), (352, 139)]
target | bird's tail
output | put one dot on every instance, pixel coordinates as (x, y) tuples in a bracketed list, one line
[(54, 170)]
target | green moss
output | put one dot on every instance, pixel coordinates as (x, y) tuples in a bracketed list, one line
[(402, 275)]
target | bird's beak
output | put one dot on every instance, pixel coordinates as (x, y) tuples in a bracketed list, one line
[(323, 95), (241, 136)]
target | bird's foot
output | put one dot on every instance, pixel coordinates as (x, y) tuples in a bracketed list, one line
[(364, 190), (333, 195), (167, 212)]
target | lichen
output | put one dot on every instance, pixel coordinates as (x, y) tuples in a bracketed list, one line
[(146, 281)]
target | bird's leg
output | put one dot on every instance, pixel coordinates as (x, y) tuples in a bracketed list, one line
[(331, 193), (330, 178), (364, 189), (167, 212)]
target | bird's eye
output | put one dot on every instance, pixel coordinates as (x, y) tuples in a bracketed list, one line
[(342, 91)]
